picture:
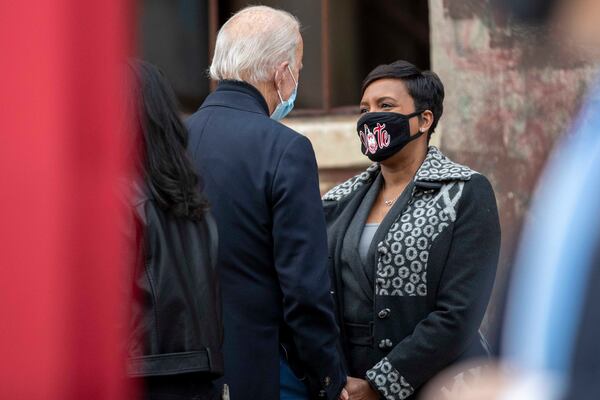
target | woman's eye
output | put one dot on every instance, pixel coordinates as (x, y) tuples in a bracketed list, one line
[(364, 110), (386, 105)]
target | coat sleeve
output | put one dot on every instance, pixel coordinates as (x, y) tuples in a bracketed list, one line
[(300, 253), (461, 299)]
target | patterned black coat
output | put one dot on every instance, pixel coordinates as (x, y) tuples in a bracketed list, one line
[(434, 271)]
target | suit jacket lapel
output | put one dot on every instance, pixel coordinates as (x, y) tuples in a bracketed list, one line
[(337, 235), (350, 251)]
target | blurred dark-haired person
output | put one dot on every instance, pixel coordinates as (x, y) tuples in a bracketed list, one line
[(176, 328), (413, 243)]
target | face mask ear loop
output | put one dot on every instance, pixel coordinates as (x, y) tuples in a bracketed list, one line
[(294, 79), (415, 114), (277, 89)]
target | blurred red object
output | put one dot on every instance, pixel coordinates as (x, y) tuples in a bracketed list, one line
[(60, 98)]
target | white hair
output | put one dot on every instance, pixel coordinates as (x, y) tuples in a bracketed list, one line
[(253, 42)]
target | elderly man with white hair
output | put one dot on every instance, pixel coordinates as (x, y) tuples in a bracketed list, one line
[(281, 338)]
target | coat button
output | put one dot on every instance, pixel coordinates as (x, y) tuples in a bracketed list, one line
[(385, 344), (383, 314), (327, 381), (322, 394)]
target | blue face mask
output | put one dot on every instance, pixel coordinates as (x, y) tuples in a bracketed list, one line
[(286, 106)]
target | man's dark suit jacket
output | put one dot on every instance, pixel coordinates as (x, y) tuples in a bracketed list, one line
[(261, 180)]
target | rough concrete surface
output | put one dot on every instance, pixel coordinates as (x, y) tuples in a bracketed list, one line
[(508, 98)]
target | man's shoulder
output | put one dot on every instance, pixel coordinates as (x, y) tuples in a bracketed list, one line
[(249, 132), (287, 133), (244, 119)]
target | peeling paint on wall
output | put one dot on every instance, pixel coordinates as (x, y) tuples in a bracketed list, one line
[(508, 98)]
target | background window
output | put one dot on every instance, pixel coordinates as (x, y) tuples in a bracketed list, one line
[(343, 41)]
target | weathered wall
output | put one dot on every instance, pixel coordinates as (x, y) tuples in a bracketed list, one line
[(508, 98)]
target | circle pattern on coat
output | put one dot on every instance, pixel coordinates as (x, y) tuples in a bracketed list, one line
[(404, 253), (437, 167), (389, 382), (342, 190)]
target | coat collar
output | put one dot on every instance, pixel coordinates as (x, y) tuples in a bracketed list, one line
[(436, 170), (239, 95)]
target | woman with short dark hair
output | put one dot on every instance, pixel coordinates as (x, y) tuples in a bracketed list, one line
[(413, 243)]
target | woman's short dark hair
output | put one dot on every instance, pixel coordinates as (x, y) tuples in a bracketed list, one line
[(164, 164), (425, 87)]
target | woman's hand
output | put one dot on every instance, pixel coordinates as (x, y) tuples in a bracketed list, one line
[(344, 395), (359, 389)]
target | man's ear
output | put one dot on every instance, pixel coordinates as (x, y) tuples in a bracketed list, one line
[(280, 73)]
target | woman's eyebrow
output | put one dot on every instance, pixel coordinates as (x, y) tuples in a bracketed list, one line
[(386, 98)]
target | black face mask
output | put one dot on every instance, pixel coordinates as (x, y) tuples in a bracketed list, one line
[(383, 134)]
